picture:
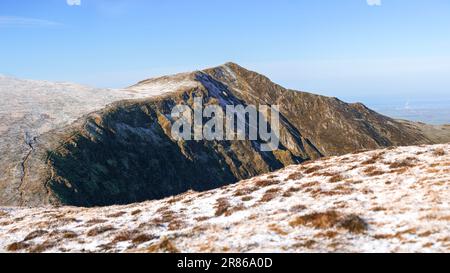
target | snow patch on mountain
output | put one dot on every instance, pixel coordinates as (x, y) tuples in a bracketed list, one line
[(44, 105), (166, 84)]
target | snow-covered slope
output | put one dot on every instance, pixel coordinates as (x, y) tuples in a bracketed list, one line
[(393, 200), (43, 105)]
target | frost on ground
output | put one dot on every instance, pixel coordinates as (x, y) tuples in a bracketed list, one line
[(392, 200)]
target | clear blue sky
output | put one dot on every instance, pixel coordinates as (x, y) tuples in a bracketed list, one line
[(344, 48)]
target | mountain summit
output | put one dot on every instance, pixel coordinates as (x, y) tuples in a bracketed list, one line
[(65, 144)]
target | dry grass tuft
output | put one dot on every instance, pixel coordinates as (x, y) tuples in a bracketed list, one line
[(351, 168), (163, 209), (99, 230), (246, 198), (287, 194), (397, 235), (354, 224), (345, 159), (69, 234), (35, 234), (399, 171), (439, 152), (307, 244), (317, 220), (136, 212), (336, 178), (142, 238), (96, 221), (290, 191), (266, 182), (166, 216), (378, 208), (312, 169), (135, 239), (244, 191), (295, 176), (304, 186), (373, 171), (117, 214), (296, 189), (275, 228), (374, 159), (175, 199), (234, 209), (329, 219), (406, 163), (273, 190), (297, 208), (222, 206), (425, 234), (328, 234), (269, 195), (176, 225), (202, 218), (164, 246), (123, 236), (43, 247), (431, 170), (18, 246)]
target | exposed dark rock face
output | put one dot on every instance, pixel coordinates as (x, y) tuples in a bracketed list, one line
[(125, 153), (335, 127)]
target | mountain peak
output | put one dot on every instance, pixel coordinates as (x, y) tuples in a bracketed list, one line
[(187, 80), (233, 66)]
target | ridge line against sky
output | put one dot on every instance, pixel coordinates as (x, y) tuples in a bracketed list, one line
[(351, 49)]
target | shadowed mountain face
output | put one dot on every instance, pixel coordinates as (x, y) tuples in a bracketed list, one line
[(115, 146)]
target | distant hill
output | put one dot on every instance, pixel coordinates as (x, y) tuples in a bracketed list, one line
[(65, 144)]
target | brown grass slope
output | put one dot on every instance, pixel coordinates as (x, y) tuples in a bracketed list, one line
[(390, 200)]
